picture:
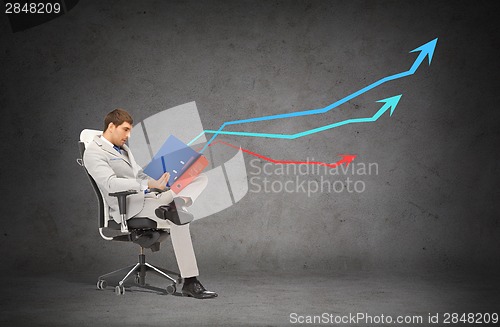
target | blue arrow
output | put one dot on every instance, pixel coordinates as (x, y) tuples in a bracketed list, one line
[(425, 50), (391, 103)]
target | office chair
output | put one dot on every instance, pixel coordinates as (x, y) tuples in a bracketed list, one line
[(139, 230)]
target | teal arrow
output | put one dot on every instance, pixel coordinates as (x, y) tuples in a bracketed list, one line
[(389, 103)]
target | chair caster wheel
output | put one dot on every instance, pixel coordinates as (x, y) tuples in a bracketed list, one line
[(101, 284), (171, 289), (119, 290)]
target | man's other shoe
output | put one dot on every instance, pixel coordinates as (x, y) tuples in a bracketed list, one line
[(196, 290), (177, 215)]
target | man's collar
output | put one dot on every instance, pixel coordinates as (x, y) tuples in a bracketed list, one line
[(106, 141)]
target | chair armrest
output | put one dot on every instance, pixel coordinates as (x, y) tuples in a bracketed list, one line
[(157, 190), (122, 196)]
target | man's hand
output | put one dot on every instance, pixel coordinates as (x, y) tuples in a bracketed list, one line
[(161, 183)]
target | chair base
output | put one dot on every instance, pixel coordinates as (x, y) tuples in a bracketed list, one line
[(138, 272)]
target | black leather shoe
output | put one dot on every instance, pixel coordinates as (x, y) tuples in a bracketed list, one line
[(176, 214), (196, 290)]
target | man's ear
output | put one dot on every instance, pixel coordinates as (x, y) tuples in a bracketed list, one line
[(111, 127)]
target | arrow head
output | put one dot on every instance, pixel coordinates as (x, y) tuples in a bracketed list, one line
[(391, 102), (427, 49), (346, 159)]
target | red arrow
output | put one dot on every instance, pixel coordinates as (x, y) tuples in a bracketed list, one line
[(346, 158)]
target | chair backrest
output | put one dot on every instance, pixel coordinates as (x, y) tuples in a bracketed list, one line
[(86, 136), (147, 239)]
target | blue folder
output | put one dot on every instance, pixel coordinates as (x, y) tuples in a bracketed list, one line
[(174, 157)]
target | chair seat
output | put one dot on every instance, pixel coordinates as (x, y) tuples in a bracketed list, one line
[(142, 231), (135, 223)]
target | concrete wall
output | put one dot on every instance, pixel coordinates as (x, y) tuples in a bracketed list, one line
[(432, 206)]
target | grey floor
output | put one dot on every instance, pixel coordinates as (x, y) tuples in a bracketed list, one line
[(246, 299)]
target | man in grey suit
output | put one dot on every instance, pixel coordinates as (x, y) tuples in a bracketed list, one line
[(111, 163)]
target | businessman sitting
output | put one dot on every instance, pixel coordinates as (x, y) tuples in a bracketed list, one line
[(111, 163)]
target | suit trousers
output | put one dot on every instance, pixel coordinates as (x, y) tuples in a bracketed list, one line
[(180, 235)]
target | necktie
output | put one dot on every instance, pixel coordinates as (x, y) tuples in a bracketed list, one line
[(117, 149)]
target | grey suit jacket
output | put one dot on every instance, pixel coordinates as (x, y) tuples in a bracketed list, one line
[(115, 172)]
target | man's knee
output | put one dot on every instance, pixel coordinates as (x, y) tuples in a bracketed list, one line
[(203, 179), (167, 197)]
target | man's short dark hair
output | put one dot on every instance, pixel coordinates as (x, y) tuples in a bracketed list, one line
[(117, 117)]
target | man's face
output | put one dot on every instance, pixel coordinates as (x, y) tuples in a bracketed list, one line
[(120, 133)]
